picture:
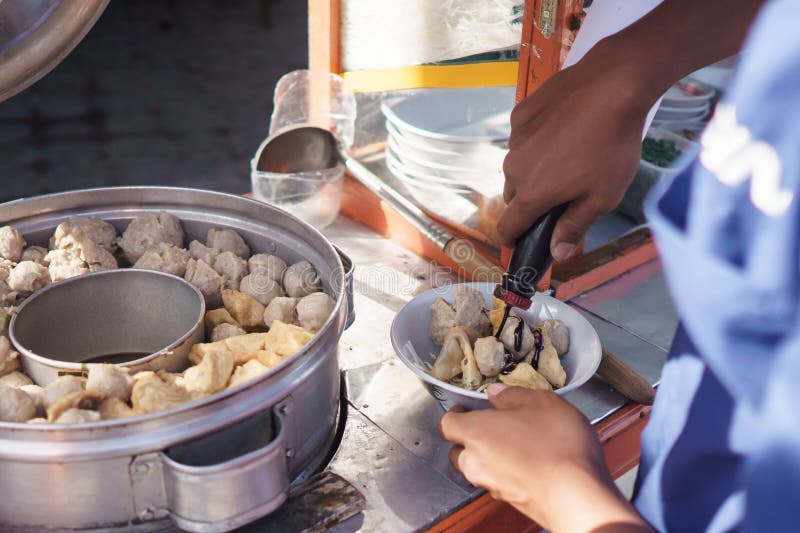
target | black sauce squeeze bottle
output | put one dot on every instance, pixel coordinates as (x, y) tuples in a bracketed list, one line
[(529, 261)]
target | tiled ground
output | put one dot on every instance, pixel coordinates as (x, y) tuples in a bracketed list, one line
[(169, 92)]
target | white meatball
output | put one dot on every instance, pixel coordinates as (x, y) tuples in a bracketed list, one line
[(313, 310), (517, 337), (77, 416), (9, 359), (7, 296), (28, 277), (490, 356), (225, 240), (470, 307), (37, 395), (93, 229), (11, 243), (90, 239), (65, 264), (15, 405), (35, 254), (260, 287), (558, 332), (198, 250), (206, 279), (15, 380), (146, 231), (281, 308), (59, 388), (301, 279), (5, 269), (231, 267), (268, 265), (110, 381), (164, 257), (224, 331)]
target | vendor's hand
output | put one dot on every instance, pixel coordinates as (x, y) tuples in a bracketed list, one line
[(576, 140), (538, 453)]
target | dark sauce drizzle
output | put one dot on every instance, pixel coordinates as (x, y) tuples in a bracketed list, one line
[(538, 344), (506, 312), (518, 331)]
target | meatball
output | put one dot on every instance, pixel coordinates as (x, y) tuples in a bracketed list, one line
[(37, 395), (65, 264), (110, 381), (301, 279), (11, 244), (198, 250), (35, 254), (146, 231), (77, 416), (260, 287), (15, 380), (268, 265), (558, 332), (470, 310), (92, 240), (313, 310), (232, 268), (225, 240), (164, 257), (9, 359), (92, 229), (489, 355), (16, 405), (28, 277), (281, 308), (7, 296), (224, 331), (206, 279), (59, 388), (517, 337)]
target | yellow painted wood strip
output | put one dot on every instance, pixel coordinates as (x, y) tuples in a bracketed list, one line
[(487, 74)]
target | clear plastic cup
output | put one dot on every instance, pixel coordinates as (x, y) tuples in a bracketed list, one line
[(310, 98), (311, 196)]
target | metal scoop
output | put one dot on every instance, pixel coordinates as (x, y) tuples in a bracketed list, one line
[(309, 148)]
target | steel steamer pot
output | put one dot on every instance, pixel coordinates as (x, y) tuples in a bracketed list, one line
[(210, 465)]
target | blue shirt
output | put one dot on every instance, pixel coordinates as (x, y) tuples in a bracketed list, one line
[(722, 449)]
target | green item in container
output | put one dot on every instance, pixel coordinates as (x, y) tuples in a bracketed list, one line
[(661, 153)]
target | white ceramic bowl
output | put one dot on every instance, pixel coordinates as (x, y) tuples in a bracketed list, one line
[(413, 345)]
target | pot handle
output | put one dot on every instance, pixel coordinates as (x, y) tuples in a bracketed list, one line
[(225, 495)]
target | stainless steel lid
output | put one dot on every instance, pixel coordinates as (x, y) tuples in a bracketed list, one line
[(35, 35)]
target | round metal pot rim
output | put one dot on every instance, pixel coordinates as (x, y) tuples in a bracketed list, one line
[(183, 413)]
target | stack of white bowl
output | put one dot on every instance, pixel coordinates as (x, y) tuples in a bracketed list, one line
[(685, 104), (446, 141)]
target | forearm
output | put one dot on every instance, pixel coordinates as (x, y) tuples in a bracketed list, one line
[(588, 502), (675, 39)]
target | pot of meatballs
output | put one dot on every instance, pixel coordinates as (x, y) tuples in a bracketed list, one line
[(166, 354)]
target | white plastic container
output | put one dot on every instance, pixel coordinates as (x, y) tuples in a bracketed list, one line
[(650, 174)]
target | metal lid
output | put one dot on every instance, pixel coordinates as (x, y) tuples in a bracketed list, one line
[(35, 35)]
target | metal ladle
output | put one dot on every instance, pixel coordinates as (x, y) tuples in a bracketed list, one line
[(310, 148)]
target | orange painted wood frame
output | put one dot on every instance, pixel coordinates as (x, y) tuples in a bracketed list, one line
[(619, 436), (583, 272)]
